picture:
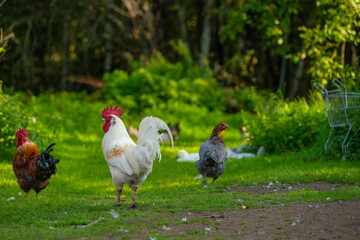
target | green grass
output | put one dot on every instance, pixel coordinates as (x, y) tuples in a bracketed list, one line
[(82, 192), (78, 202)]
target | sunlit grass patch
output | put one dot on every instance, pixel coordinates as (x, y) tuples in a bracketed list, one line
[(79, 201), (82, 192)]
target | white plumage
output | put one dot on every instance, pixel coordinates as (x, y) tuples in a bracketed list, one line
[(130, 163), (184, 156)]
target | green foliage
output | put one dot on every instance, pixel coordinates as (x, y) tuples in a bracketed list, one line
[(324, 33), (48, 117), (242, 66), (64, 112), (335, 27), (190, 67), (273, 18), (335, 149), (281, 126), (162, 83), (2, 51), (235, 20), (249, 99), (12, 117)]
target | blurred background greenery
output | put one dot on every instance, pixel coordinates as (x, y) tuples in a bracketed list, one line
[(251, 63)]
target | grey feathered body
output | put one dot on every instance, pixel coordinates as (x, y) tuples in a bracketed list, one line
[(213, 155)]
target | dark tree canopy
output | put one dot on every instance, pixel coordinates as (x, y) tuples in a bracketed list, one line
[(273, 44)]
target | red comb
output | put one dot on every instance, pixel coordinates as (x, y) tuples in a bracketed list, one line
[(22, 132), (223, 122), (116, 111)]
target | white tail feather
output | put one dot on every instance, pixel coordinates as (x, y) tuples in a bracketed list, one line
[(148, 146)]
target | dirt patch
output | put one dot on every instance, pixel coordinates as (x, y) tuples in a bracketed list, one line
[(311, 220), (292, 220), (277, 187), (295, 220)]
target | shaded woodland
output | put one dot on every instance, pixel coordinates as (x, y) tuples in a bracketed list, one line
[(274, 44)]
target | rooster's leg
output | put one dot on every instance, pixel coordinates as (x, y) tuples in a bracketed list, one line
[(117, 203), (204, 180), (134, 188), (37, 195), (27, 194)]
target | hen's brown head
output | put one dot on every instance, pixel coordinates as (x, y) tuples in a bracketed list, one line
[(106, 115), (219, 129), (22, 136)]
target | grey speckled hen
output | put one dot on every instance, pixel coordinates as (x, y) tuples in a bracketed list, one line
[(213, 154)]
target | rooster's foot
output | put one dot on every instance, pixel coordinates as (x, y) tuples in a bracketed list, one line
[(117, 203), (133, 206), (204, 181)]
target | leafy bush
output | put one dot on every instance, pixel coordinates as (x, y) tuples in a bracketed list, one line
[(48, 117), (337, 24), (342, 135), (281, 126), (162, 82), (12, 117), (64, 113), (249, 99)]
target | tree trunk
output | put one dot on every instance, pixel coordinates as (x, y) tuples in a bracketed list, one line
[(296, 80), (353, 56), (26, 57), (65, 43), (199, 27), (219, 42), (283, 69), (182, 17), (294, 84), (108, 34), (206, 33), (282, 73)]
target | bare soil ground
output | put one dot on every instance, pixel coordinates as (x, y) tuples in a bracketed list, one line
[(294, 220), (324, 220)]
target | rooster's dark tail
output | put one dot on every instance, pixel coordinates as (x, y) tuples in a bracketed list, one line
[(46, 162)]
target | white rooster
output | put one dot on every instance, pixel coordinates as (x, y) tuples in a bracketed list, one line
[(130, 163)]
